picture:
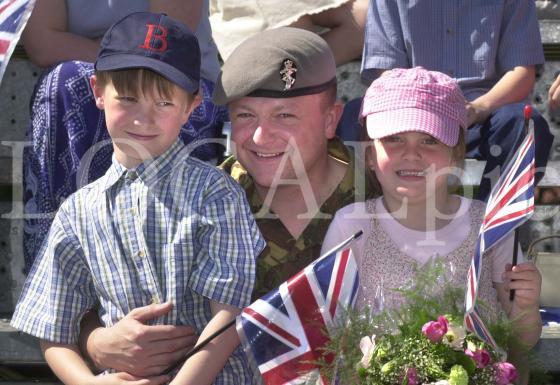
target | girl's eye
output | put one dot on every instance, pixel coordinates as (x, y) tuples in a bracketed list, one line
[(391, 139), (430, 140)]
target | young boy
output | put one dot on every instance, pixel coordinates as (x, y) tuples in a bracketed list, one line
[(159, 226)]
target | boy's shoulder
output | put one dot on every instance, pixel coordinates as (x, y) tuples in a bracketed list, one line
[(86, 193), (197, 171)]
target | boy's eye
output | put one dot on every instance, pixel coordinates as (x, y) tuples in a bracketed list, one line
[(164, 103), (126, 98)]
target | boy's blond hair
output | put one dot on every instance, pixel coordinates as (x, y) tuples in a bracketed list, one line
[(138, 81)]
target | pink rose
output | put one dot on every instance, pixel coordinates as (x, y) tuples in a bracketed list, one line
[(505, 373), (435, 330), (480, 356)]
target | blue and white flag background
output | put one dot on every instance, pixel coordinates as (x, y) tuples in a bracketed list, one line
[(13, 17)]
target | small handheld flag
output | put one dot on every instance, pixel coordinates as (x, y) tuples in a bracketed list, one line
[(510, 204), (284, 331)]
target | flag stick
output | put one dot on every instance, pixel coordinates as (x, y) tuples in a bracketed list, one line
[(199, 346), (202, 344), (527, 111)]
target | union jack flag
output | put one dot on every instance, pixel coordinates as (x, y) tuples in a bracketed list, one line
[(284, 331), (510, 204), (13, 17)]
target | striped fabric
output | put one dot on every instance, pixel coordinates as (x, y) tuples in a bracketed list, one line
[(475, 42), (175, 229)]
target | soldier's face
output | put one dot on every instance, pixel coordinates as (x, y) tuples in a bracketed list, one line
[(282, 138)]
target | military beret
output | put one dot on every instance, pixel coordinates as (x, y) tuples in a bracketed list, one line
[(277, 63)]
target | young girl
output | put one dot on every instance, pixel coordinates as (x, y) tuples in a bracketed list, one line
[(416, 119)]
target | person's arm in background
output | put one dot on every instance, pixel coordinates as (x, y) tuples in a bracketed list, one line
[(46, 38), (189, 12), (384, 42), (554, 94), (47, 41), (513, 87), (519, 51)]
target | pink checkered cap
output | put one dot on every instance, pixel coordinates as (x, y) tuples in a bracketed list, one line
[(405, 100)]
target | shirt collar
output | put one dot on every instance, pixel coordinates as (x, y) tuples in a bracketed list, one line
[(150, 170)]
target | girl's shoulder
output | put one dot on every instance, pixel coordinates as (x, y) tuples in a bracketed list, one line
[(473, 206), (356, 208)]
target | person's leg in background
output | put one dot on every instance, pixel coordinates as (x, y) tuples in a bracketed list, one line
[(497, 139)]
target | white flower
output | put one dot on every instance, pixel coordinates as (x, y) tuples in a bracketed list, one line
[(440, 382), (455, 337), (367, 346)]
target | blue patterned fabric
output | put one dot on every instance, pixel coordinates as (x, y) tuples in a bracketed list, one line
[(65, 128), (175, 229)]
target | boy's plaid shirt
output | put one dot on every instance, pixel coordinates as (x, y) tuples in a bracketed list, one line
[(175, 229)]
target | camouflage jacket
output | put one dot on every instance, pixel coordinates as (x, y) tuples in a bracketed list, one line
[(284, 256)]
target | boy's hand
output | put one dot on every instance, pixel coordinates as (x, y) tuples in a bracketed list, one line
[(127, 379), (525, 279), (141, 350)]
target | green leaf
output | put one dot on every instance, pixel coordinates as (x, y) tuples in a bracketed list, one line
[(466, 362)]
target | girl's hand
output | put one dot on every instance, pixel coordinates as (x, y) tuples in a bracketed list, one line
[(127, 379), (525, 279)]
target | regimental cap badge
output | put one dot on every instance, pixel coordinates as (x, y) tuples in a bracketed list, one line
[(288, 73)]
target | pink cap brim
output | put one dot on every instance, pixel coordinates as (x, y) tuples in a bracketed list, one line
[(386, 123)]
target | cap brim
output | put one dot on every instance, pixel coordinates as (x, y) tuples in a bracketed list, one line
[(124, 61), (386, 123)]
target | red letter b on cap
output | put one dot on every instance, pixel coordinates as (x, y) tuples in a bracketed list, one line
[(155, 33)]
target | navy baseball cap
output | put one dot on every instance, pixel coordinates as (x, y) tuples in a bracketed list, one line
[(153, 41)]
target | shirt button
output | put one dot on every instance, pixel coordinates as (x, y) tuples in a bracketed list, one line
[(449, 31), (131, 175), (140, 254), (133, 211), (155, 299), (451, 73)]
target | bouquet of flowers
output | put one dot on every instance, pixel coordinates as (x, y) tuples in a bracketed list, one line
[(423, 341)]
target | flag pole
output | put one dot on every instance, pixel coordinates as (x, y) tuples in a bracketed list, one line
[(527, 111), (199, 346), (221, 330)]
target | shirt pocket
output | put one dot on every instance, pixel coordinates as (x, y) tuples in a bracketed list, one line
[(484, 24)]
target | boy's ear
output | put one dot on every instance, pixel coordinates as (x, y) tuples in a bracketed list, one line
[(196, 100), (97, 92)]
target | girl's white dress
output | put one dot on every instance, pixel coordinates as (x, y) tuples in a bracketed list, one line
[(388, 253)]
